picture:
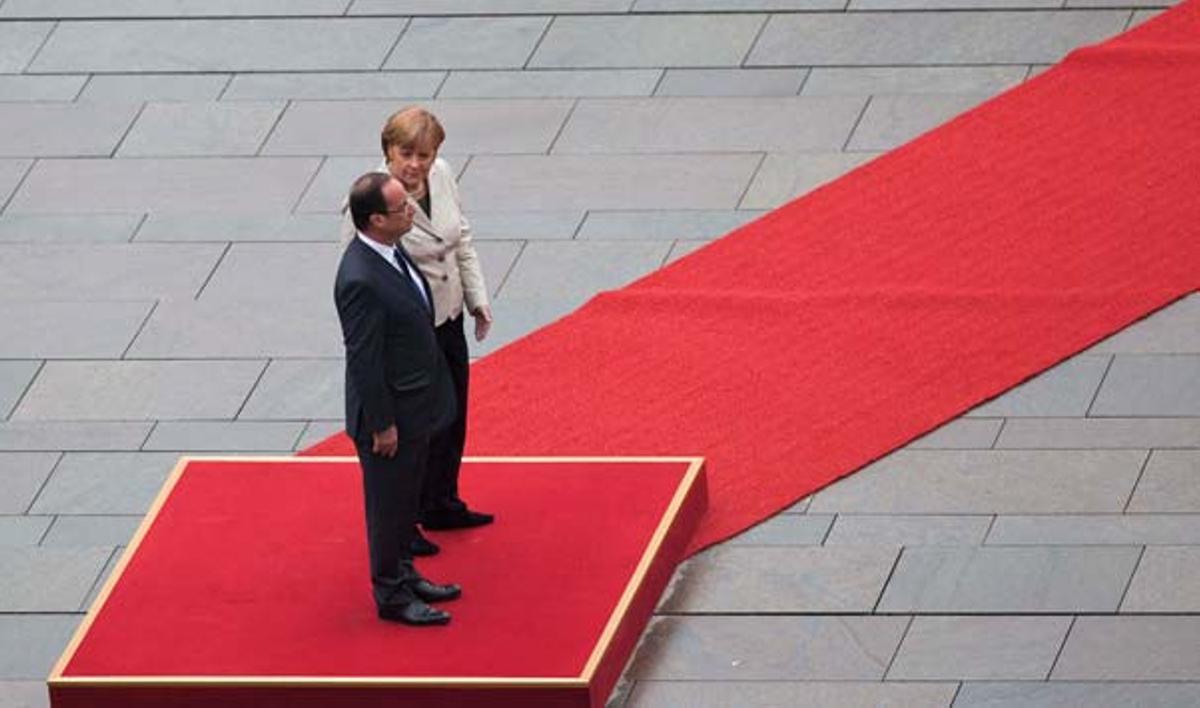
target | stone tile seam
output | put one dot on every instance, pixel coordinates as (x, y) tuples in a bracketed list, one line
[(1099, 386), (149, 436), (538, 44), (262, 145), (399, 36), (1061, 646), (213, 271), (137, 228), (141, 327), (888, 580), (25, 391), (1136, 482), (20, 183), (1129, 583), (896, 650), (45, 482), (437, 91), (252, 389), (511, 268), (562, 127), (739, 205), (999, 432), (762, 26), (857, 121), (100, 575), (312, 178), (41, 45), (225, 89), (128, 129)]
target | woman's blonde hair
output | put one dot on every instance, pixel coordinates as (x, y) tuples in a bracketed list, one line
[(409, 127)]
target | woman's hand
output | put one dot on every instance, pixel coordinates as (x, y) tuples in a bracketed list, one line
[(483, 321)]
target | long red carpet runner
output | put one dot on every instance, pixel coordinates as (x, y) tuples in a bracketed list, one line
[(853, 320)]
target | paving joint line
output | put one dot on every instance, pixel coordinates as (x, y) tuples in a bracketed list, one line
[(82, 88), (45, 483), (149, 434), (857, 122), (138, 333), (225, 89), (1129, 583), (896, 652), (49, 526), (662, 76), (41, 45), (538, 44), (999, 433), (829, 529), (1112, 358), (887, 581), (562, 126), (262, 145), (20, 183), (25, 392), (387, 57), (437, 92), (762, 27), (808, 72), (762, 160), (1138, 481), (128, 129), (250, 392), (213, 272), (137, 229), (511, 267), (112, 555), (308, 185), (1061, 647)]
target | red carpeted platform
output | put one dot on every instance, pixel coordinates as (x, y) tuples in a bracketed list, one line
[(853, 320), (247, 586)]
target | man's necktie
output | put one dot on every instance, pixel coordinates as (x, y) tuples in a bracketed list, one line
[(410, 274)]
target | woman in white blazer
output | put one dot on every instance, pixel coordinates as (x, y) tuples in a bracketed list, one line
[(440, 244)]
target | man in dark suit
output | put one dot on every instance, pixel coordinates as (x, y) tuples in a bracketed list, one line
[(398, 391)]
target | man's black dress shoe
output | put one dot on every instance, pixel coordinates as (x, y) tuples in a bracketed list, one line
[(457, 519), (416, 613), (421, 546), (432, 592)]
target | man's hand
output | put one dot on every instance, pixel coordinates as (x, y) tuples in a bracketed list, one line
[(483, 321), (385, 442)]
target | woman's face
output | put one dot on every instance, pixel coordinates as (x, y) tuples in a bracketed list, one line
[(410, 163)]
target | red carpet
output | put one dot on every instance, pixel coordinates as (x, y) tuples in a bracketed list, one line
[(254, 573), (851, 321)]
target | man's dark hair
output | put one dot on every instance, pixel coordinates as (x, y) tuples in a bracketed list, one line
[(366, 198)]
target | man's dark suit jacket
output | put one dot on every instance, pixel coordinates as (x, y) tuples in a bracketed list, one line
[(395, 371)]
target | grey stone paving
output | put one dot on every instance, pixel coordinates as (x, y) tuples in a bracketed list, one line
[(170, 175)]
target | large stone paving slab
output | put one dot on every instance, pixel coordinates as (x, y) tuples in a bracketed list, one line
[(23, 531), (68, 330), (1053, 579), (782, 579), (908, 530), (105, 483), (885, 38), (647, 40), (550, 83), (222, 228), (767, 648), (949, 482), (1159, 648), (154, 87), (168, 184), (1169, 483), (48, 580), (41, 88), (331, 85), (63, 129), (173, 8), (532, 182), (1065, 695), (113, 272), (1095, 530), (43, 435), (91, 531), (352, 127), (139, 390), (245, 45), (19, 41), (731, 82), (242, 328), (869, 80), (261, 272), (73, 228), (467, 42), (201, 129), (32, 643), (298, 389), (674, 125), (220, 436), (1099, 433), (786, 530), (1151, 385), (23, 474), (979, 648), (477, 7), (961, 434), (794, 694)]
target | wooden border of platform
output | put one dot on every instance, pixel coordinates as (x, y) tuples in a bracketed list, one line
[(581, 682)]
